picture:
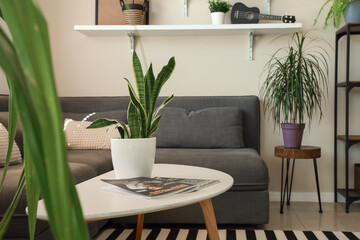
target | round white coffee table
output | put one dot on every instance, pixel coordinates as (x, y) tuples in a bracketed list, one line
[(98, 203)]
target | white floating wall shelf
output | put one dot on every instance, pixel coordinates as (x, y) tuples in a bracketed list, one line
[(190, 30)]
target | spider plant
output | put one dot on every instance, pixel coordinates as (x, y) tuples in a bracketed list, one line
[(26, 60), (296, 83), (143, 118)]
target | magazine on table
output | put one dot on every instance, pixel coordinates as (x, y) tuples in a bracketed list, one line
[(158, 186)]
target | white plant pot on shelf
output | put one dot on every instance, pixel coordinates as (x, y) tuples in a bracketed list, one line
[(217, 18), (133, 157)]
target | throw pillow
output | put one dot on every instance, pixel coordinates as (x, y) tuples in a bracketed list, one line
[(218, 127), (4, 143), (79, 137)]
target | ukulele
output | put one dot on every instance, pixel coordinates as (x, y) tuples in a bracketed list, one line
[(242, 14)]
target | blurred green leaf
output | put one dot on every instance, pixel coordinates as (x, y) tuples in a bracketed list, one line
[(32, 190), (29, 67), (13, 121), (6, 218)]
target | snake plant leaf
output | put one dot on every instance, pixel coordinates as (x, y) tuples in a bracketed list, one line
[(32, 190), (163, 104), (162, 77), (102, 122), (149, 85), (122, 125), (139, 78), (105, 122), (133, 121), (5, 221), (141, 110), (40, 114), (155, 125), (13, 121), (121, 132)]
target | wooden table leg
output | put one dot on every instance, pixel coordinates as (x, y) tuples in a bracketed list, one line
[(139, 227), (210, 221)]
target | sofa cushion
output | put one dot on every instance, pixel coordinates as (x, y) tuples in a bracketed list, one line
[(81, 172), (79, 137), (4, 144), (98, 160), (219, 127), (244, 165), (4, 119)]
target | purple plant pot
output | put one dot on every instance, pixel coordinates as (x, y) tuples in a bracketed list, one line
[(292, 134)]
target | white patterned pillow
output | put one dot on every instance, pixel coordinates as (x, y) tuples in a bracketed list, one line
[(4, 143), (78, 137)]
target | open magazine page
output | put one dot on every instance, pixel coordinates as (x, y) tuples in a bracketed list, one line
[(158, 186)]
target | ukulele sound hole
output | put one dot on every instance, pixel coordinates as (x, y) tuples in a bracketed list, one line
[(249, 16)]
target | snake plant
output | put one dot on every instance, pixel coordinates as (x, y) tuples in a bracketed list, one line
[(142, 116), (26, 60)]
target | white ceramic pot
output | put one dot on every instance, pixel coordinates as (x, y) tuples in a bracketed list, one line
[(217, 18), (133, 157)]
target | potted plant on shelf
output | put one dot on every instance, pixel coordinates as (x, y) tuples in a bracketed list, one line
[(349, 8), (295, 86), (218, 8), (133, 154)]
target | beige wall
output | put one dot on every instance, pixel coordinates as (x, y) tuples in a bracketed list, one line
[(95, 66)]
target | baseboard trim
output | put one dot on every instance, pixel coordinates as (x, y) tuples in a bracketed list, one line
[(307, 197)]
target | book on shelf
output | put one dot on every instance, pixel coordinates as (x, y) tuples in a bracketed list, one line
[(157, 187)]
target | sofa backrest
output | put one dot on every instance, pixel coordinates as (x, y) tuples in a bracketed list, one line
[(249, 106), (4, 101)]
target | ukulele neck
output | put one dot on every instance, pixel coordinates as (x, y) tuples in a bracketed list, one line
[(269, 17)]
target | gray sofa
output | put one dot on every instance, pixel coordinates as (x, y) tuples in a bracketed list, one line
[(232, 147)]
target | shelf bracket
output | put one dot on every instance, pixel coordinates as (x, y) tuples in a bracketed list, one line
[(132, 41), (185, 8), (268, 6), (251, 42)]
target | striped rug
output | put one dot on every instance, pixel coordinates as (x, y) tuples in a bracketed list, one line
[(225, 234)]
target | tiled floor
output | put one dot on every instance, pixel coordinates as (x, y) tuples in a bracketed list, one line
[(306, 216)]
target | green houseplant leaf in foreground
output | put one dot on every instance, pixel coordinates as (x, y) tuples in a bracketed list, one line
[(27, 64), (143, 118)]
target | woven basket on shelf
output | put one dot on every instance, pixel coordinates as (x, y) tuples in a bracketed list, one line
[(134, 14)]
